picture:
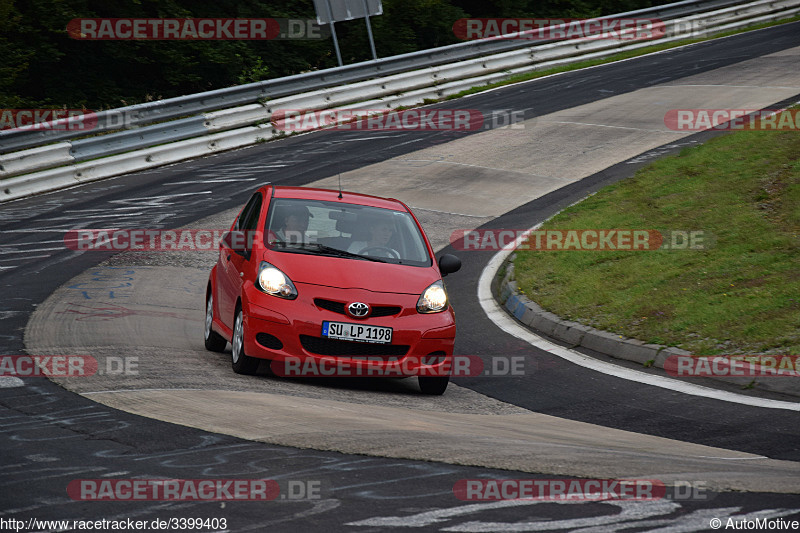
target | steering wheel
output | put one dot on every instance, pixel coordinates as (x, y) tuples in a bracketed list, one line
[(393, 254)]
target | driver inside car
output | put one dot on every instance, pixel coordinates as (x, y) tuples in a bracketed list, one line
[(381, 233), (293, 223)]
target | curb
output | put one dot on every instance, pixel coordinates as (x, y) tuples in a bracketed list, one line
[(575, 334)]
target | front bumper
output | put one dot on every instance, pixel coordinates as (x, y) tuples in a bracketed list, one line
[(289, 332)]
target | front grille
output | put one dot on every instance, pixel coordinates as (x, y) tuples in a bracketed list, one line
[(330, 305), (385, 310), (339, 307), (339, 348), (269, 341)]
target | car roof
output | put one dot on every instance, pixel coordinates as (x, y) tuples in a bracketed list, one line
[(309, 193)]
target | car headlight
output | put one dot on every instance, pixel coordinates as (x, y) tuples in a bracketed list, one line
[(272, 281), (433, 299)]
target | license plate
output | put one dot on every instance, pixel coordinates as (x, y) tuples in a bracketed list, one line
[(356, 332)]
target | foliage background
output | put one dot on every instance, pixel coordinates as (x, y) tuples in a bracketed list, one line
[(40, 66)]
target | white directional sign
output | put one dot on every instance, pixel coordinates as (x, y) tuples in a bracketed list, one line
[(346, 10)]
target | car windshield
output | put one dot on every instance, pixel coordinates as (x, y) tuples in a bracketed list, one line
[(345, 230)]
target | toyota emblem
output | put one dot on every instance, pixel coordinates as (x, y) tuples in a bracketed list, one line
[(358, 309)]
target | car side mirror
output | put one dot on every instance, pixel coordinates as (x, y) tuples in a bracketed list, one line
[(448, 264)]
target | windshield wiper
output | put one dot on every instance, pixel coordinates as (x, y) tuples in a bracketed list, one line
[(305, 247), (340, 252)]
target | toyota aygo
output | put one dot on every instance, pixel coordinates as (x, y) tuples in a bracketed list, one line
[(337, 282)]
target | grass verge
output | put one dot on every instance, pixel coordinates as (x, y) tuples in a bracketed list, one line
[(740, 294)]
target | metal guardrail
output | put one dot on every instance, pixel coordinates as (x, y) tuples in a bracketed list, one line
[(230, 118), (171, 108)]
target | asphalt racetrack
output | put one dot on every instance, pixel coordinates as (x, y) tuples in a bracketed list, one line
[(381, 455)]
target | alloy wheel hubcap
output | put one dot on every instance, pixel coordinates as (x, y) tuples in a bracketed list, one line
[(209, 315), (237, 339)]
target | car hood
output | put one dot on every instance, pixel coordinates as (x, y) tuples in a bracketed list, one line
[(344, 273)]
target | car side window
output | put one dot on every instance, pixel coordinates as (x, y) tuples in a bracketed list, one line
[(249, 216)]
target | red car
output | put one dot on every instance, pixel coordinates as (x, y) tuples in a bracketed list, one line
[(336, 282)]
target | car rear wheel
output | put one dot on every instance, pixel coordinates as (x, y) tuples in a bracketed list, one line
[(434, 386), (241, 363), (213, 340)]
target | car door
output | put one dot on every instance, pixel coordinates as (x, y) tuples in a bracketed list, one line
[(231, 261)]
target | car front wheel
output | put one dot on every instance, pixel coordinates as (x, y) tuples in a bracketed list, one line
[(433, 385), (241, 363)]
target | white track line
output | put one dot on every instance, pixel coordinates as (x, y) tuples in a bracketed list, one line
[(9, 382), (497, 314)]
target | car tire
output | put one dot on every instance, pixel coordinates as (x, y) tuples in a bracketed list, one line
[(433, 385), (214, 341), (241, 362)]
